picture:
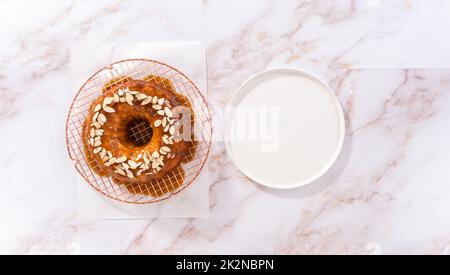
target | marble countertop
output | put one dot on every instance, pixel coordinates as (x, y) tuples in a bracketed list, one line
[(388, 62)]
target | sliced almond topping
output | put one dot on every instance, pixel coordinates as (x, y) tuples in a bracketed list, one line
[(166, 129), (164, 121), (91, 141), (122, 100), (126, 166), (168, 112), (97, 143), (165, 149), (92, 132), (146, 161), (171, 121), (141, 97), (139, 172), (97, 138), (95, 116), (121, 92), (157, 123), (97, 150), (120, 172), (133, 165), (107, 101), (160, 112), (155, 165), (155, 154), (161, 101), (147, 101), (155, 100), (121, 159), (134, 92), (97, 107), (129, 98), (96, 125), (172, 130), (165, 139), (99, 132), (139, 157), (156, 107), (109, 154), (101, 119), (129, 174), (108, 109), (116, 98), (103, 153)]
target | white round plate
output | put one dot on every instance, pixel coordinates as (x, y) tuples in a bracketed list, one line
[(284, 128)]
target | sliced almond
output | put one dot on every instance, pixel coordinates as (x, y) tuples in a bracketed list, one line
[(157, 123), (168, 112), (156, 107), (160, 112), (97, 138), (155, 165), (116, 98), (139, 172), (147, 101), (99, 132), (97, 107), (109, 154), (121, 159), (91, 141), (155, 100), (96, 125), (155, 154), (108, 109), (103, 153), (101, 119), (133, 92), (107, 101), (97, 150), (171, 121), (120, 172), (146, 160), (122, 100), (165, 149), (126, 166), (141, 97), (129, 98), (166, 129), (94, 118), (172, 130), (164, 121), (165, 139), (161, 101), (129, 174), (92, 132), (133, 165), (97, 143)]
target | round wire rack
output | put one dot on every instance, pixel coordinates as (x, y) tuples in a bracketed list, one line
[(138, 69)]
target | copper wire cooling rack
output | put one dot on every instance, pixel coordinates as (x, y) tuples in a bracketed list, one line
[(137, 69)]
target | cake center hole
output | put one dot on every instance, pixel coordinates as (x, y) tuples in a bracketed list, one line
[(139, 131)]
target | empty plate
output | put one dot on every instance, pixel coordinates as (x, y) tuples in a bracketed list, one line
[(284, 128)]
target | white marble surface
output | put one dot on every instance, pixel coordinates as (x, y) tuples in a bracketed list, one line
[(386, 60)]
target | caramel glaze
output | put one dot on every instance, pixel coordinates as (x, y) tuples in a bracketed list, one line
[(114, 138)]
